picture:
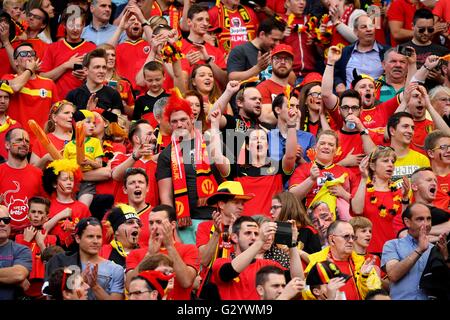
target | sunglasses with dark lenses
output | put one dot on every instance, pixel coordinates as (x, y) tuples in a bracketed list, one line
[(6, 220), (24, 54), (422, 30), (34, 16)]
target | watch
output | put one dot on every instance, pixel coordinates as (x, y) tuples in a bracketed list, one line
[(145, 23), (293, 244), (209, 59), (365, 131)]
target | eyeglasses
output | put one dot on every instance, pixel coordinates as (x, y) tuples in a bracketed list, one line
[(138, 293), (286, 59), (346, 237), (315, 94), (429, 29), (34, 16), (276, 207), (6, 220), (354, 108), (24, 54), (443, 147)]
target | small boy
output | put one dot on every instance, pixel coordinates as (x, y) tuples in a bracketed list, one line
[(36, 238), (93, 151), (154, 79), (13, 8), (324, 281)]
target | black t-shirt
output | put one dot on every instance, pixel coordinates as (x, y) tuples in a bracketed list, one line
[(144, 104), (164, 170), (242, 57), (108, 98), (310, 240), (423, 52)]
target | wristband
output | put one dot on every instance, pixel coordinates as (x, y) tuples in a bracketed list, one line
[(426, 68), (133, 155), (291, 126), (28, 69), (420, 254), (405, 201), (329, 64), (209, 59)]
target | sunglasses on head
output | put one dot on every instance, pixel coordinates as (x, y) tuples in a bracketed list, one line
[(429, 29), (24, 54), (6, 220)]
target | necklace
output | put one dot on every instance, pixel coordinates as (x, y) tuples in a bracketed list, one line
[(382, 209)]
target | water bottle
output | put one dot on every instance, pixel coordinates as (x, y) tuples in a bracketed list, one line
[(350, 125)]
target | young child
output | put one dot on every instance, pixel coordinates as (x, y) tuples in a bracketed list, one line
[(13, 8), (324, 280), (35, 237), (93, 154), (154, 79)]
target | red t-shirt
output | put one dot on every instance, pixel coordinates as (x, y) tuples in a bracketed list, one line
[(421, 130), (218, 56), (382, 219), (145, 229), (269, 89), (17, 186), (79, 211), (58, 53), (243, 287), (401, 10), (350, 289), (149, 167), (238, 26), (33, 101), (39, 46), (188, 253), (442, 194), (5, 66), (130, 57), (377, 117), (302, 172), (40, 151)]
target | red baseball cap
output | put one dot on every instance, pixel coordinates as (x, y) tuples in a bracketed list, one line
[(310, 78), (282, 48)]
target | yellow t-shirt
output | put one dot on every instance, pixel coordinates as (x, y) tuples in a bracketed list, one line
[(408, 164), (92, 150)]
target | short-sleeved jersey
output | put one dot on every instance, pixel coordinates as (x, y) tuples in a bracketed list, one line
[(406, 165), (421, 130), (218, 56), (92, 150), (269, 89), (130, 57), (58, 53), (33, 101), (188, 253), (17, 186), (376, 117), (443, 193)]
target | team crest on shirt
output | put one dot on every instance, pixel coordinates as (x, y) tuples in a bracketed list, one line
[(146, 49), (429, 128), (42, 93)]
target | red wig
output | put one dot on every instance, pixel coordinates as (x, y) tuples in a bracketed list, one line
[(177, 103)]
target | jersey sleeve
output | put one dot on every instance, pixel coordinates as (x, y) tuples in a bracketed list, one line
[(203, 234), (395, 12), (300, 174)]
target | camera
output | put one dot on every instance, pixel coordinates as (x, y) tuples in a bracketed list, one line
[(284, 233), (77, 66), (405, 51)]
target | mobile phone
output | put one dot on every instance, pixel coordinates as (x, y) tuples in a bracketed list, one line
[(404, 51), (77, 66), (112, 83), (284, 233)]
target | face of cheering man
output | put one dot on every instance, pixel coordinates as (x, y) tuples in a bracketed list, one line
[(181, 124), (136, 188), (24, 54), (403, 132), (326, 148), (251, 103), (199, 23), (366, 89), (19, 144)]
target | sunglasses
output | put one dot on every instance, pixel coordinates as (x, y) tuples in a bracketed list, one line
[(34, 16), (346, 237), (6, 220), (429, 29), (24, 54)]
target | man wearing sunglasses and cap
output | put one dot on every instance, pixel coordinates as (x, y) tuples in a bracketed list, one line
[(213, 236), (15, 259), (34, 95)]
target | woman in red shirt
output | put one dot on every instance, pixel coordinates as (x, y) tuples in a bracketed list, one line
[(378, 198)]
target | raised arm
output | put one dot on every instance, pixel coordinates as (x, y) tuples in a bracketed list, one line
[(289, 157), (357, 202), (302, 189), (261, 65), (328, 97), (221, 162), (399, 34)]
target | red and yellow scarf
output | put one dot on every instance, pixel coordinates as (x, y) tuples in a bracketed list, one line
[(206, 183)]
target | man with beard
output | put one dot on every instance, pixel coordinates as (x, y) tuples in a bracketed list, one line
[(252, 58), (19, 180), (143, 141), (373, 115), (184, 173), (418, 104), (135, 46), (185, 257), (400, 129), (126, 226), (34, 95), (282, 57), (16, 259), (100, 30), (437, 147), (94, 90), (404, 259), (37, 20), (62, 57)]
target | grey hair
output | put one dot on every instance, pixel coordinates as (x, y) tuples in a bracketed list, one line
[(159, 106), (436, 90)]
